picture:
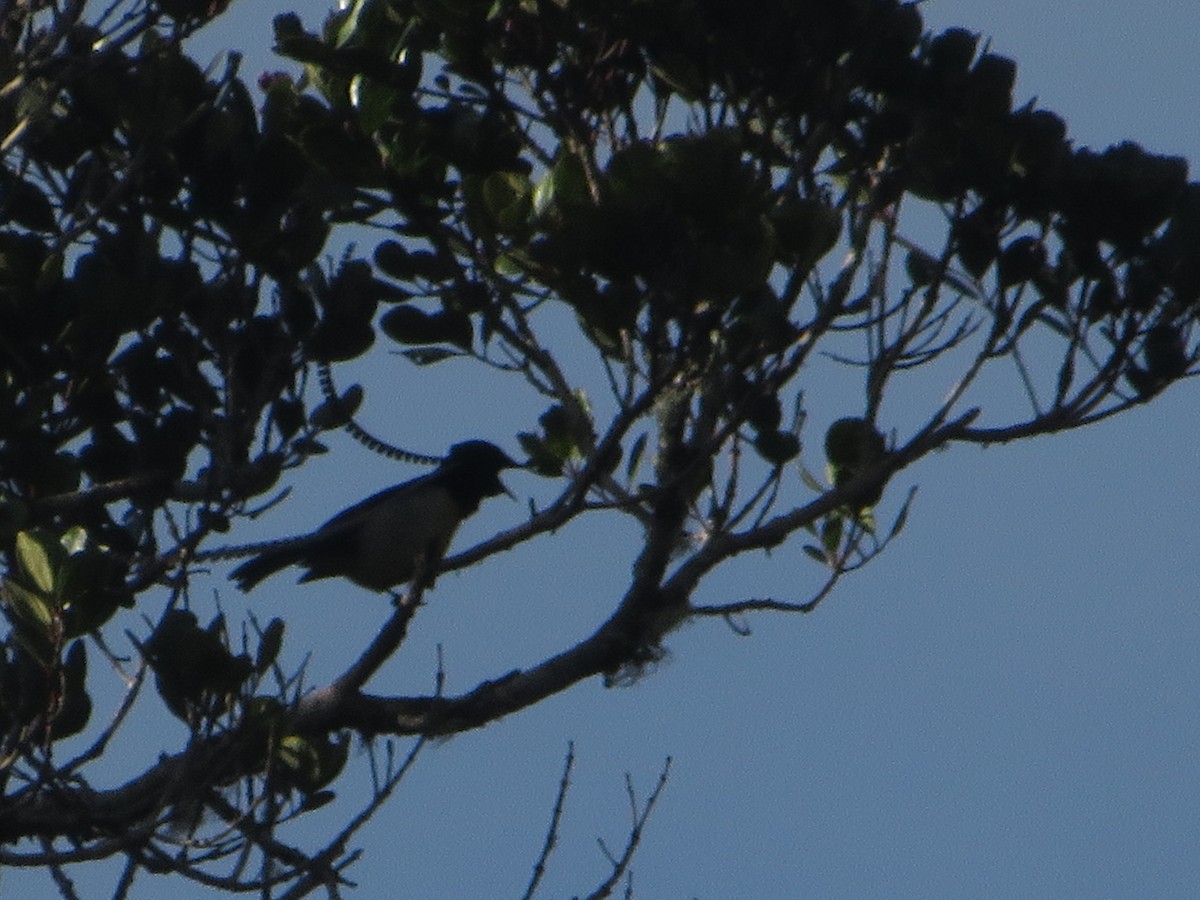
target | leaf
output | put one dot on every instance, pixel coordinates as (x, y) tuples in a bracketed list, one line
[(311, 762), (542, 459), (373, 103), (298, 755), (39, 555), (75, 540), (309, 447), (32, 607), (811, 481), (764, 412), (560, 439), (816, 553), (508, 199), (805, 230), (427, 356), (921, 267), (409, 325), (564, 187), (75, 706), (352, 22), (336, 412), (543, 194), (902, 516), (317, 799), (777, 447), (516, 263), (864, 518), (635, 456), (28, 207), (395, 260), (269, 645), (831, 534)]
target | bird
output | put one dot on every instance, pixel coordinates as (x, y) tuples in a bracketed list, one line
[(393, 536)]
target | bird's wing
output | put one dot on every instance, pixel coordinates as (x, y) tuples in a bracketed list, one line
[(380, 542), (383, 541), (352, 516), (337, 546), (323, 551), (409, 531)]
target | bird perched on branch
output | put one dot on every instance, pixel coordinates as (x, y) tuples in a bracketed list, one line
[(396, 535)]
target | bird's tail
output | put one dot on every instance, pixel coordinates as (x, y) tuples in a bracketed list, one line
[(266, 562), (239, 551)]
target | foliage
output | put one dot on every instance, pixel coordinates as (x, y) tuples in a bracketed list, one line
[(720, 201)]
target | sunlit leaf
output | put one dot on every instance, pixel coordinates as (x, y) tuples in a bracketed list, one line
[(39, 556)]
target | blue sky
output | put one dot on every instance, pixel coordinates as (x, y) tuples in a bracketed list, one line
[(1004, 704)]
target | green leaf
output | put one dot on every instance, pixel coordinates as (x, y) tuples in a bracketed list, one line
[(516, 263), (831, 533), (508, 198), (353, 21), (311, 763), (542, 458), (559, 437), (298, 755), (39, 557), (31, 607), (75, 540), (816, 553), (565, 186), (543, 194), (372, 102), (811, 481)]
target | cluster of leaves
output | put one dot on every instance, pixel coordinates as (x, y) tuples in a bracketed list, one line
[(701, 243), (155, 230), (678, 193), (677, 175)]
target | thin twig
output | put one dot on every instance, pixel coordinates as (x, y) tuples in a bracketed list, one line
[(621, 865), (539, 869)]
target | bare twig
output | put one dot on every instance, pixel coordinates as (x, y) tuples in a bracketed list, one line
[(621, 864), (539, 868)]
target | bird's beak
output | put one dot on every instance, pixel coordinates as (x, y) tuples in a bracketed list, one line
[(511, 465)]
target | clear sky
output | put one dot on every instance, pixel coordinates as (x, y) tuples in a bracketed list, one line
[(1004, 705)]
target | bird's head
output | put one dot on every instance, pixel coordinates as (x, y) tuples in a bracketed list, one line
[(474, 468)]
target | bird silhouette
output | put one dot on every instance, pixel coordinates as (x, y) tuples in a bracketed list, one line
[(395, 535)]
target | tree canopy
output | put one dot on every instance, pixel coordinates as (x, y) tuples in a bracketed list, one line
[(719, 203)]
